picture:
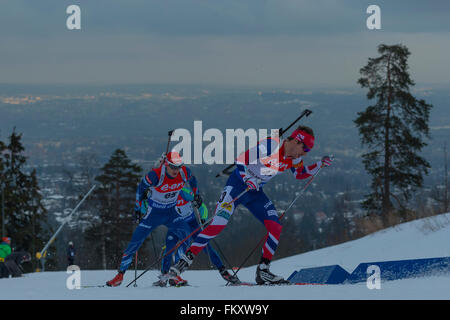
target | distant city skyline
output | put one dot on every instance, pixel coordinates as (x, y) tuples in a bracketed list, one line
[(280, 43)]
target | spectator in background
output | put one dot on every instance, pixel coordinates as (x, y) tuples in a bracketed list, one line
[(10, 262), (5, 248), (70, 254)]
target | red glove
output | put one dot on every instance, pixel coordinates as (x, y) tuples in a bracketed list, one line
[(326, 161), (252, 183)]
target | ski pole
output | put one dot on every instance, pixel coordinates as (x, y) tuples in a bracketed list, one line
[(136, 256), (135, 268), (305, 112), (199, 221), (281, 217), (168, 142), (185, 239), (153, 245)]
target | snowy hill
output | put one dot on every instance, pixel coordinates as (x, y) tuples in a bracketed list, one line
[(425, 238)]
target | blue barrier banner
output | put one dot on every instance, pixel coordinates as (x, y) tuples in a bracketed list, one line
[(402, 269), (333, 274)]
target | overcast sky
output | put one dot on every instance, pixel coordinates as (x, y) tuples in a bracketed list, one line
[(292, 43)]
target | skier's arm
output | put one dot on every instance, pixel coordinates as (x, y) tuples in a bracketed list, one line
[(303, 172), (197, 201), (187, 194), (148, 181), (192, 181), (263, 149), (248, 163), (203, 212)]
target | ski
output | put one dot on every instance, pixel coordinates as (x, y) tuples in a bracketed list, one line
[(286, 283), (184, 285), (251, 284), (94, 286), (104, 286), (177, 286)]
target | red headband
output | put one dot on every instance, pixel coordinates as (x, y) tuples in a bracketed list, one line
[(304, 137)]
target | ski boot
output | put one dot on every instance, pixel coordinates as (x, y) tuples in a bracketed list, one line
[(264, 276), (116, 281), (182, 264), (229, 278), (162, 282), (177, 282)]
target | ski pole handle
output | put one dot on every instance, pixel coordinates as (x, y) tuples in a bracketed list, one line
[(306, 112), (228, 204), (168, 141)]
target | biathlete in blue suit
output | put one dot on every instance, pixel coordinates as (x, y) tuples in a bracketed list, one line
[(156, 198)]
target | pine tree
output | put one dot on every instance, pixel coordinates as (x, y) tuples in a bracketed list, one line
[(393, 129), (114, 202), (310, 237), (2, 187), (338, 230), (25, 215)]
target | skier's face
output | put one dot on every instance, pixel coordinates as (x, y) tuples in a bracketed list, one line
[(173, 172), (294, 149)]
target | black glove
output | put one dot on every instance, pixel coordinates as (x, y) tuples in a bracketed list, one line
[(137, 215), (197, 201)]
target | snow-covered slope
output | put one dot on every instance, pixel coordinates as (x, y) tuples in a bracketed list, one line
[(424, 238)]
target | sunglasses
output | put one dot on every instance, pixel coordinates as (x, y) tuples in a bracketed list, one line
[(305, 148), (174, 167)]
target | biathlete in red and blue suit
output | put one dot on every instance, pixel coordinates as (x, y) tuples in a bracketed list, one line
[(254, 169)]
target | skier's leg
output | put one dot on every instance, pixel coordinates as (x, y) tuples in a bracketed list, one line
[(222, 214), (140, 234), (264, 210), (175, 232), (171, 241), (153, 218), (214, 257), (180, 230)]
